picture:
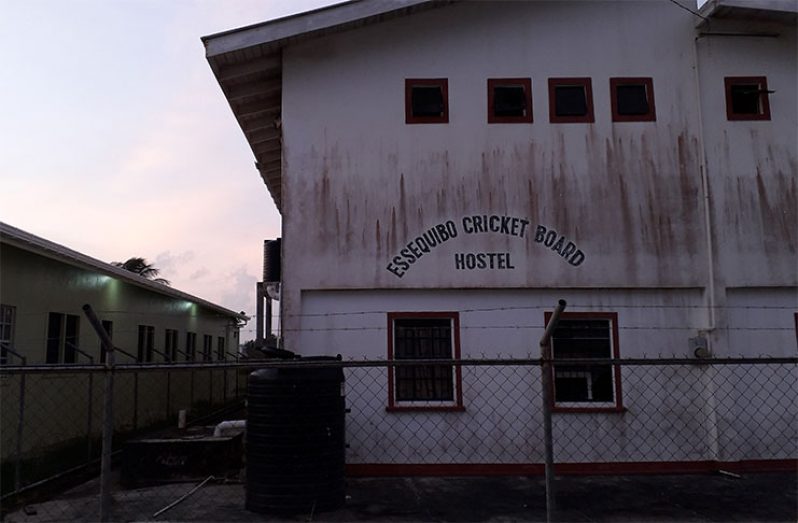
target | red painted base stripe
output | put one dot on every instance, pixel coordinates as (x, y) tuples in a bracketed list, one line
[(575, 469)]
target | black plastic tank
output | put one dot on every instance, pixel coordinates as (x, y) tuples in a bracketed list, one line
[(272, 270), (295, 447)]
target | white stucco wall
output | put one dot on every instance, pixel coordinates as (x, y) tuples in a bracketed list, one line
[(359, 183)]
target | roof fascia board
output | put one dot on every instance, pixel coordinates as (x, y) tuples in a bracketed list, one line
[(37, 245), (275, 31), (786, 6)]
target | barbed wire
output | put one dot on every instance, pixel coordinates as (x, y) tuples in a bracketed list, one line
[(607, 306), (603, 306)]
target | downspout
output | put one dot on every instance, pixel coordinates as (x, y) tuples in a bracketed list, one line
[(702, 166), (708, 376)]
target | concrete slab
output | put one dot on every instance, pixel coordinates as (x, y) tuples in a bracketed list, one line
[(699, 498)]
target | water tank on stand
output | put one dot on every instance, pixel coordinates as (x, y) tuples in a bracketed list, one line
[(295, 448), (272, 265)]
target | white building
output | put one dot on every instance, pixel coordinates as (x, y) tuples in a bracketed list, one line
[(447, 171)]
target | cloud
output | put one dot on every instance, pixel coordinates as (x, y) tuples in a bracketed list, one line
[(169, 263), (199, 273), (240, 288)]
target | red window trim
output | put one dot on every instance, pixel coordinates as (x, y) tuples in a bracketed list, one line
[(458, 373), (526, 83), (796, 327), (585, 82), (730, 81), (616, 354), (443, 83), (648, 82)]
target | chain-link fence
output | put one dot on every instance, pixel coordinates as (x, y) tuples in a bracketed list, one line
[(453, 417)]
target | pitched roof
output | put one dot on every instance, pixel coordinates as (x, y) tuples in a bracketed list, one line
[(29, 242)]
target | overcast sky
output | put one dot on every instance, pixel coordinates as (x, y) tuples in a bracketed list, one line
[(116, 140)]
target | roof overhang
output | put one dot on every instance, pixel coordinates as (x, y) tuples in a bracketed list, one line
[(247, 63), (783, 11), (28, 242)]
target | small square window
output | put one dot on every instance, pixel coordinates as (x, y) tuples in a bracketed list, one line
[(426, 101), (509, 100), (747, 98), (632, 99), (570, 100)]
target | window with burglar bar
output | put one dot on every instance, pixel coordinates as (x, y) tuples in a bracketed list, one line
[(170, 344), (586, 386), (191, 346), (424, 336), (7, 320), (62, 338), (146, 343)]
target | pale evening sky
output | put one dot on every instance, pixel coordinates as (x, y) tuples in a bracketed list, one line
[(116, 140)]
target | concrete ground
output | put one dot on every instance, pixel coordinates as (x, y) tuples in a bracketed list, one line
[(752, 497)]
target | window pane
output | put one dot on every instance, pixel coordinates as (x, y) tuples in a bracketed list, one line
[(423, 339), (54, 323), (71, 338), (7, 313), (632, 100), (427, 100), (509, 101), (191, 345), (583, 383), (207, 343), (570, 100), (745, 99)]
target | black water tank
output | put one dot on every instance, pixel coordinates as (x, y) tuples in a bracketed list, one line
[(271, 260), (295, 448)]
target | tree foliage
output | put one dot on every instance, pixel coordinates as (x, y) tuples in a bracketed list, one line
[(141, 267)]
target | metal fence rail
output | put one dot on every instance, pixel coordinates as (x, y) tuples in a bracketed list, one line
[(663, 415)]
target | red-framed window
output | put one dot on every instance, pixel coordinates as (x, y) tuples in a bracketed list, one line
[(509, 100), (586, 387), (570, 100), (425, 336), (747, 98), (426, 100), (632, 99)]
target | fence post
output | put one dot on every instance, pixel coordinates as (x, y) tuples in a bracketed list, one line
[(548, 401), (20, 425), (168, 394), (90, 408), (108, 415), (135, 399), (210, 387)]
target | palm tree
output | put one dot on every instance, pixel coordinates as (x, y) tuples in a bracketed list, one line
[(142, 268)]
